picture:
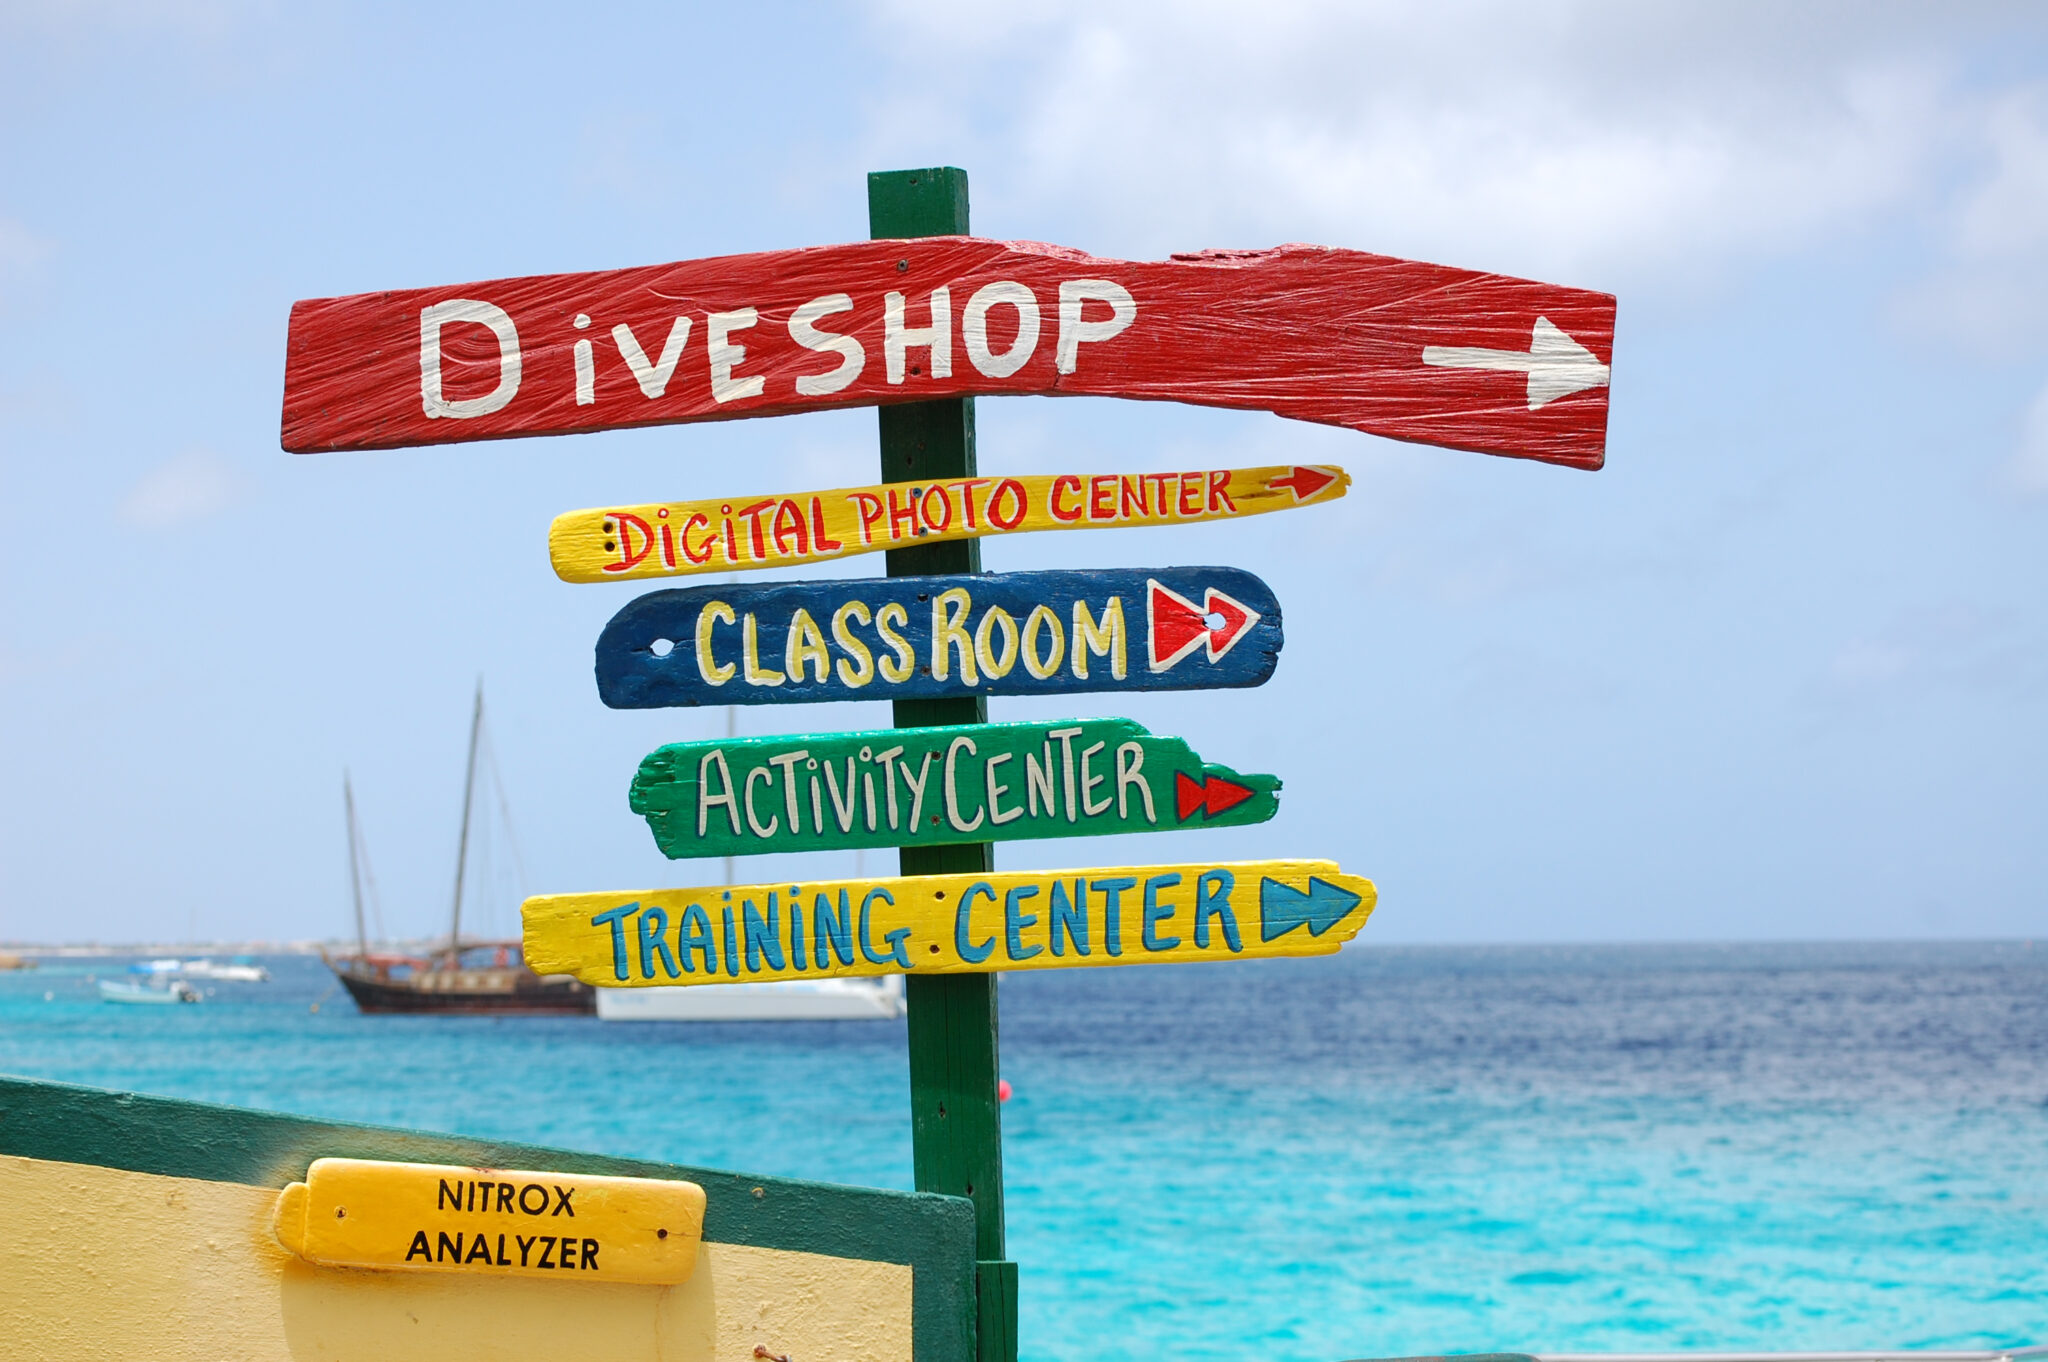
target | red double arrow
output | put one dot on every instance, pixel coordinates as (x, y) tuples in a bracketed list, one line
[(1210, 795), (1177, 626)]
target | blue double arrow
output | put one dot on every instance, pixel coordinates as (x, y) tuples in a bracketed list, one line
[(1319, 907)]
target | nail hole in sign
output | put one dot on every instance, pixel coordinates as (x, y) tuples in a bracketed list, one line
[(662, 647), (1213, 620)]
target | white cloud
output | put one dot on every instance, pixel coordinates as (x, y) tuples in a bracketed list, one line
[(21, 256), (189, 487), (124, 15), (2028, 470), (1590, 143), (1992, 288), (1947, 645)]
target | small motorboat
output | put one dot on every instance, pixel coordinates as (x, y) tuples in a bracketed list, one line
[(174, 991)]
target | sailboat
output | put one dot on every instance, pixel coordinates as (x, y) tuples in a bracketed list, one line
[(465, 976)]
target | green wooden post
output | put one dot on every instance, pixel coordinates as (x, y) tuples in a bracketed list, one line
[(955, 1121)]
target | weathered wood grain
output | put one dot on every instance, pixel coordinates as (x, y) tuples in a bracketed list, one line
[(946, 924), (1401, 348), (962, 783), (720, 534), (1013, 633)]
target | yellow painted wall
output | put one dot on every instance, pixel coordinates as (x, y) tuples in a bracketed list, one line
[(98, 1263)]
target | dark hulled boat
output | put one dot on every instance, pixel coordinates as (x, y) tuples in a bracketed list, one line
[(473, 976), (499, 984)]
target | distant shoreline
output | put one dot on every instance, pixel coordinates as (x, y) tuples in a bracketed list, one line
[(430, 944), (195, 949)]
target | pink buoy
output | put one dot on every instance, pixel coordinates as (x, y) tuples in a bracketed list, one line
[(1002, 1090)]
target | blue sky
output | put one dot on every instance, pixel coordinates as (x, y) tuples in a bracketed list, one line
[(1781, 670)]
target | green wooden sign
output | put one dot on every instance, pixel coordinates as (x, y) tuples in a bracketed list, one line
[(932, 786)]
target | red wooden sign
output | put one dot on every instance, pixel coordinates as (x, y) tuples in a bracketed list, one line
[(1398, 348)]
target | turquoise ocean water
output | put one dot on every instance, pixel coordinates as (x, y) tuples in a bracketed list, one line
[(1393, 1151)]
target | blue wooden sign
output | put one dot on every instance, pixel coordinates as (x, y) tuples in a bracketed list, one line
[(900, 638)]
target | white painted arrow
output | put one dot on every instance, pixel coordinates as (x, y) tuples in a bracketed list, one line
[(1557, 365)]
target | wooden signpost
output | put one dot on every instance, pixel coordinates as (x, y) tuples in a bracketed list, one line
[(949, 924), (931, 786), (1013, 633), (1400, 348), (301, 1238), (675, 539)]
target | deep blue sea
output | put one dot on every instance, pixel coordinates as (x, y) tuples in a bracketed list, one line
[(1392, 1151)]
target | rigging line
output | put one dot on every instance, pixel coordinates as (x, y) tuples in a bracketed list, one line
[(476, 723), (355, 871), (482, 892), (362, 849), (505, 812)]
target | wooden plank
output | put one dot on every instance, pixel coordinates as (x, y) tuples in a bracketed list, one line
[(1401, 348), (417, 1217), (940, 924), (930, 786), (1016, 633), (721, 534)]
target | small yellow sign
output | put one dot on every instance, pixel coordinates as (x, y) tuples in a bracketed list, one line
[(673, 539), (419, 1217)]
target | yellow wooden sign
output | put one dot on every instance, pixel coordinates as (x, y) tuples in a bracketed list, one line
[(947, 924), (418, 1217), (677, 538)]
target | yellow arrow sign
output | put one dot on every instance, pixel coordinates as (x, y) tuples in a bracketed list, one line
[(947, 924), (677, 538), (421, 1217)]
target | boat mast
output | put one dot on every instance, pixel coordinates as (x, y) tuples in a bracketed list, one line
[(355, 877), (476, 724)]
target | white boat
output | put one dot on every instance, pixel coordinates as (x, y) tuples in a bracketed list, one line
[(234, 972), (783, 1000), (176, 991)]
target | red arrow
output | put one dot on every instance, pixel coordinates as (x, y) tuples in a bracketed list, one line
[(1176, 626), (1306, 482), (1211, 794)]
